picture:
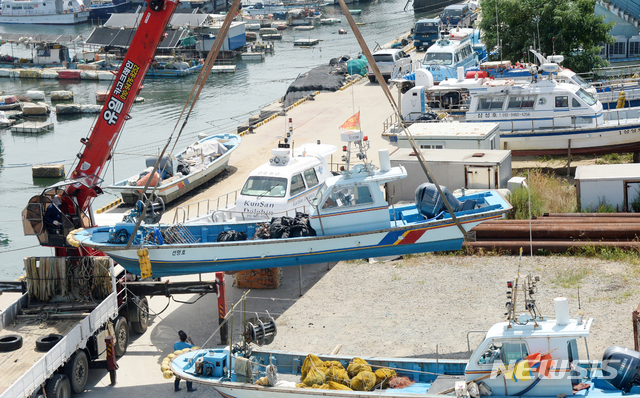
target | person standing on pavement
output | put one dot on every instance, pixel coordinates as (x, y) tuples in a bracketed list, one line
[(185, 342)]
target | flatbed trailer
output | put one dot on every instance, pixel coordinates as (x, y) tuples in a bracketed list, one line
[(53, 348)]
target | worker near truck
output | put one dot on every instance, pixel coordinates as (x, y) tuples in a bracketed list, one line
[(185, 342)]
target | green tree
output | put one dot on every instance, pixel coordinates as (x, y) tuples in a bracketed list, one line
[(570, 27)]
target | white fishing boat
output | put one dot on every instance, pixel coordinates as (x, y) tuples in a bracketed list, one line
[(526, 354), (179, 174), (56, 12), (540, 117), (283, 186), (349, 218)]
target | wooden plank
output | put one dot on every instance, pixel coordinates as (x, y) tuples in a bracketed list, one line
[(13, 364)]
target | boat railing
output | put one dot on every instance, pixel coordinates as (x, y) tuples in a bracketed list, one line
[(205, 206), (614, 94), (612, 72)]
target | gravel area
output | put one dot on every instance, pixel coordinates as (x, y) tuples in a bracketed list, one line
[(409, 307)]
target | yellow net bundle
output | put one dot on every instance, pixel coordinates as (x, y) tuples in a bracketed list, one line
[(364, 381), (356, 366), (383, 375)]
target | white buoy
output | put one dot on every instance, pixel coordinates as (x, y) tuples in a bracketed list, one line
[(385, 162), (562, 311), (460, 71)]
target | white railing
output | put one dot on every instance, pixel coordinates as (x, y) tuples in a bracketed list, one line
[(205, 206)]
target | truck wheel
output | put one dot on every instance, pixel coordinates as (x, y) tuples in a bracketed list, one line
[(10, 342), (58, 387), (142, 314), (77, 370), (45, 343), (122, 336), (372, 79)]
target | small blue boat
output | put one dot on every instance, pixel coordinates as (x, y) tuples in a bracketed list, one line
[(103, 10)]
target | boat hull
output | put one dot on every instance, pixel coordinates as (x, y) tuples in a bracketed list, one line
[(51, 19), (598, 140), (183, 259)]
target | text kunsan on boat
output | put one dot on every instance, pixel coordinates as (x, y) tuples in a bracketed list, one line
[(539, 117), (349, 219), (525, 355), (195, 165)]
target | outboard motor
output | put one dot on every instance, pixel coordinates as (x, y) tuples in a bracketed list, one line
[(430, 203), (620, 367)]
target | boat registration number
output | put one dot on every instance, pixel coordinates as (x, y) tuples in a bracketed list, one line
[(178, 252), (629, 131), (489, 115)]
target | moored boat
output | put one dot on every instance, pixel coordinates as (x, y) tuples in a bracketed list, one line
[(56, 12), (192, 167), (543, 117), (349, 218)]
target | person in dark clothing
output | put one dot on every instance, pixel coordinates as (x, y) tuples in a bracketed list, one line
[(185, 342), (53, 215)]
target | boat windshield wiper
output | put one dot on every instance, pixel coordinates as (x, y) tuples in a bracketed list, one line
[(267, 192)]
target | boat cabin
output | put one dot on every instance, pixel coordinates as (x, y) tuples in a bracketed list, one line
[(286, 183), (354, 201), (508, 343), (545, 104)]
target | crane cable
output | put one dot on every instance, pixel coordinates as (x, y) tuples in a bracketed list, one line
[(394, 106), (199, 83)]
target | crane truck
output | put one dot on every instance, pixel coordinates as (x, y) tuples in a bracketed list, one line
[(77, 327)]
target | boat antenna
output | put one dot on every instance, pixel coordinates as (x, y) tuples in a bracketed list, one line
[(372, 64)]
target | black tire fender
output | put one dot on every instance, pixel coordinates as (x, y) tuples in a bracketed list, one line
[(45, 343), (10, 342), (58, 386), (121, 328), (77, 370), (141, 310)]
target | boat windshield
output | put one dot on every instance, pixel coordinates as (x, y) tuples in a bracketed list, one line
[(586, 97), (438, 58), (274, 187), (580, 81), (316, 200)]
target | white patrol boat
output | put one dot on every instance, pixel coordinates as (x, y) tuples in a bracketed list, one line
[(541, 117), (283, 186)]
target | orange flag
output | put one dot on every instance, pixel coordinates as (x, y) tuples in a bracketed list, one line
[(546, 362), (352, 123)]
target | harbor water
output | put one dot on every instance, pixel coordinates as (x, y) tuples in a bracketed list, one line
[(227, 101)]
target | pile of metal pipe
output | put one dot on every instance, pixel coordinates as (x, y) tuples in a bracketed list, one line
[(558, 232)]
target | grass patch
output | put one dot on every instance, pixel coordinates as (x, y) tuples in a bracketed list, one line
[(615, 158), (570, 278), (549, 194)]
